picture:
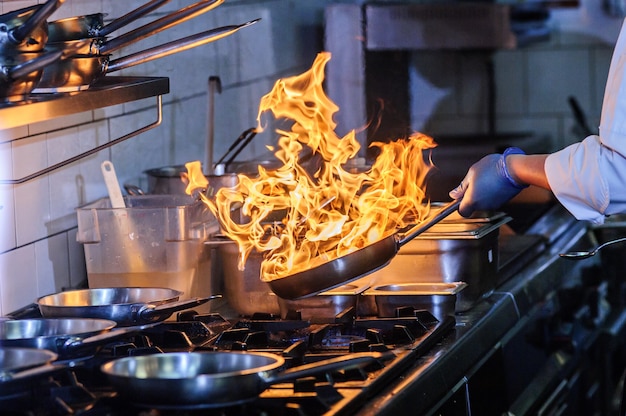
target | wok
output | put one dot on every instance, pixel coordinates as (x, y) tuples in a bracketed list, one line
[(211, 379), (99, 45), (92, 25), (25, 30), (80, 72), (352, 266), (68, 338), (123, 305)]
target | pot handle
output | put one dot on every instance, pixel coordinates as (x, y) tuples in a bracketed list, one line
[(346, 362), (444, 212), (152, 312)]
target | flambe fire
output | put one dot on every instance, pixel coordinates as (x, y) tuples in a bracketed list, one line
[(327, 213)]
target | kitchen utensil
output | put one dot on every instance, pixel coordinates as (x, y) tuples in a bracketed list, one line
[(112, 184), (349, 267), (20, 73), (100, 45), (14, 359), (67, 337), (123, 305), (80, 72), (580, 255), (25, 30), (92, 25), (215, 86), (212, 379), (238, 145)]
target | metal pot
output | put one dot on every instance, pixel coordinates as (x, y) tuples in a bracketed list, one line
[(211, 379), (92, 25), (123, 305), (68, 337), (81, 71), (99, 45), (26, 30), (20, 73), (352, 266)]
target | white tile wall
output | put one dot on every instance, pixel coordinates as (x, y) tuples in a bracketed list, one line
[(38, 249)]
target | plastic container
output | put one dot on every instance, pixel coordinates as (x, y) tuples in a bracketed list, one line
[(156, 241)]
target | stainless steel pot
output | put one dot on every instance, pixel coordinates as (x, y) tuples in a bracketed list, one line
[(92, 25), (168, 180), (211, 379), (123, 305), (81, 71), (347, 268), (99, 44), (26, 30)]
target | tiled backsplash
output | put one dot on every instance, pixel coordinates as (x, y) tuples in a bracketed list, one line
[(38, 249)]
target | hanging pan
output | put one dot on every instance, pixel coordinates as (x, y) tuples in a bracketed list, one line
[(20, 73), (92, 25), (198, 380), (123, 305), (80, 72), (99, 45), (26, 30), (352, 266)]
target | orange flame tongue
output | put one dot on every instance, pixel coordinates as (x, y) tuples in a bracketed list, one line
[(332, 211)]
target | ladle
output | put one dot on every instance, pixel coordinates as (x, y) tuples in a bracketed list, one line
[(579, 255)]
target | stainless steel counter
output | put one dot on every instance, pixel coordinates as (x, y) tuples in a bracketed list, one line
[(482, 330)]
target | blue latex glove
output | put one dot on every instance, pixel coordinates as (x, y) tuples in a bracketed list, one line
[(487, 184)]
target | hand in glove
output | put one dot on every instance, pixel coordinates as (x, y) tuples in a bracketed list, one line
[(487, 184)]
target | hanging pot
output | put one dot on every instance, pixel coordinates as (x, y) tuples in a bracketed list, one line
[(92, 25), (20, 73), (99, 45), (26, 30), (80, 72)]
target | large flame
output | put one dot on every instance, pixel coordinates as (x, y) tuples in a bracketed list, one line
[(327, 213)]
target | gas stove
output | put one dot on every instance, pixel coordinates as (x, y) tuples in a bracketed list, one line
[(79, 387)]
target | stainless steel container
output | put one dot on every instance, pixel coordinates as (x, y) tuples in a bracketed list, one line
[(438, 298), (452, 251)]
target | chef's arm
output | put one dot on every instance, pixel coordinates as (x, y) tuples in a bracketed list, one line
[(528, 169)]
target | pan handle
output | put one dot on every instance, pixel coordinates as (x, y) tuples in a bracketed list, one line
[(20, 33), (73, 345), (130, 17), (346, 362), (444, 212), (156, 312)]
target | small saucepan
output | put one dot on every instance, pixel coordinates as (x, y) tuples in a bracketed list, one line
[(69, 338), (124, 305), (79, 72), (25, 30), (92, 25), (212, 379), (100, 45)]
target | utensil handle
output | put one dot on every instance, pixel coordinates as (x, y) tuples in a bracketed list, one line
[(113, 186), (444, 212)]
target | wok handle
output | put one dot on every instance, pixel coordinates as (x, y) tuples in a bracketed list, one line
[(345, 362), (444, 212), (152, 312)]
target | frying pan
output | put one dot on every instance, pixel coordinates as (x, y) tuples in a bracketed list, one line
[(100, 45), (211, 379), (66, 337), (79, 72), (354, 265), (25, 30), (123, 305), (92, 25), (20, 73)]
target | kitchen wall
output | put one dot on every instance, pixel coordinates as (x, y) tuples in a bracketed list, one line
[(38, 249)]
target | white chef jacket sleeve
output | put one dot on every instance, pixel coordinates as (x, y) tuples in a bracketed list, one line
[(589, 178)]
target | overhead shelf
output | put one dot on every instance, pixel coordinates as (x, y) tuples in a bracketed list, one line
[(106, 92)]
